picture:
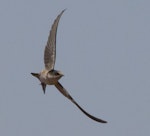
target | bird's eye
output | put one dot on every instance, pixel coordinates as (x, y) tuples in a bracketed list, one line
[(57, 73)]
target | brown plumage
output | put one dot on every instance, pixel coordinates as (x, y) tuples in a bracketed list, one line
[(49, 76)]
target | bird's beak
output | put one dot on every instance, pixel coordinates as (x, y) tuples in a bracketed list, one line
[(35, 75), (62, 74)]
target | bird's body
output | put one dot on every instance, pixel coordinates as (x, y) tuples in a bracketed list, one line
[(50, 76)]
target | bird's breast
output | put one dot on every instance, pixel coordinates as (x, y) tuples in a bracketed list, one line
[(49, 79)]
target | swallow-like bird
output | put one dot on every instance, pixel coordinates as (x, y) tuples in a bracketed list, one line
[(50, 76)]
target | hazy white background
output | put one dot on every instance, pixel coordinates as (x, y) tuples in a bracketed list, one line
[(103, 48)]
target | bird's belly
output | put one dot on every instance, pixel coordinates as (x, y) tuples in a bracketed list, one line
[(49, 81)]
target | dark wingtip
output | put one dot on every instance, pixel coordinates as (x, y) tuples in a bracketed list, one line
[(43, 87), (44, 91), (64, 9), (35, 75)]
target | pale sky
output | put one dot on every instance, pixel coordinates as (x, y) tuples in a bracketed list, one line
[(103, 49)]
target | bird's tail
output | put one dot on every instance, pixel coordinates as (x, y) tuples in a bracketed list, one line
[(66, 94)]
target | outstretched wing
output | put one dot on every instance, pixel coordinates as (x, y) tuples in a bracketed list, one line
[(50, 48), (66, 94)]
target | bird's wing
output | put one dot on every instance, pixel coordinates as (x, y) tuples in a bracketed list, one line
[(66, 94), (50, 48), (43, 87)]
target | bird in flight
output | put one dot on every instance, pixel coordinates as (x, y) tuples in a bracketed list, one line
[(50, 76)]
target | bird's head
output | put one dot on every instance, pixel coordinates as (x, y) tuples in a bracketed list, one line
[(56, 73)]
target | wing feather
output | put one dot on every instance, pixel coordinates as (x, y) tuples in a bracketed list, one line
[(50, 48)]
